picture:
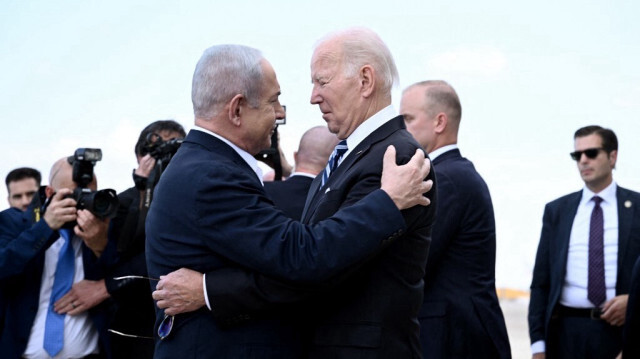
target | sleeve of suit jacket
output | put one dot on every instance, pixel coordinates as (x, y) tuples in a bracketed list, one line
[(540, 283), (19, 246)]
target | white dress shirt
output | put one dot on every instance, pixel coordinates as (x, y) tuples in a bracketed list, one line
[(80, 336), (574, 291)]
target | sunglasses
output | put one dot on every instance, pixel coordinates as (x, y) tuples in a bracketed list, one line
[(165, 326), (589, 152)]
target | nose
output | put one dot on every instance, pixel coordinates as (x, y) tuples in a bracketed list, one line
[(280, 112), (315, 96)]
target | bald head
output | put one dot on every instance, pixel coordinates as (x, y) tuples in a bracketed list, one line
[(432, 112), (61, 176), (314, 150)]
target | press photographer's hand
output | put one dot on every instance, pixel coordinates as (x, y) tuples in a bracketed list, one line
[(60, 210), (146, 165), (92, 230)]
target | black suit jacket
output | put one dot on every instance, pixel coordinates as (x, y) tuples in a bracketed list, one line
[(551, 259), (22, 247), (132, 309), (210, 212), (289, 195), (460, 302), (631, 344)]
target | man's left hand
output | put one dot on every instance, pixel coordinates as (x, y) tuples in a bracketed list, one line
[(83, 296), (614, 311), (92, 230), (180, 292)]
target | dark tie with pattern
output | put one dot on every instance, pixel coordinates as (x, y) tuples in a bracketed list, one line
[(340, 149), (596, 289), (62, 281)]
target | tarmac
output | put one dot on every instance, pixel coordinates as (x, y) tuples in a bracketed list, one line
[(515, 315)]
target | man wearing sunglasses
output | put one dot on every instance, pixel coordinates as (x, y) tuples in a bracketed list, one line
[(590, 240)]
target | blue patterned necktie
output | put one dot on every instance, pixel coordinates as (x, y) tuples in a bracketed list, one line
[(62, 282), (596, 289), (340, 149)]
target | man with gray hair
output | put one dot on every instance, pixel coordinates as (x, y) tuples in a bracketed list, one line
[(210, 212)]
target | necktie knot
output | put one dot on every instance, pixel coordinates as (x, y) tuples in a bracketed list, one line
[(597, 200), (338, 152)]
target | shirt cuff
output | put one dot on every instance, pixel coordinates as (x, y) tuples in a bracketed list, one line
[(204, 287), (538, 347)]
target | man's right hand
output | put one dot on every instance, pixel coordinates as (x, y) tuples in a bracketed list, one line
[(145, 166), (538, 356), (405, 184), (60, 210)]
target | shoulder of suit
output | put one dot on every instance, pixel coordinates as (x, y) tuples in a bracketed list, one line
[(574, 196)]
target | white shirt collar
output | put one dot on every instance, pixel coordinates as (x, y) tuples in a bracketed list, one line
[(368, 126), (438, 151), (304, 174), (246, 156), (608, 194)]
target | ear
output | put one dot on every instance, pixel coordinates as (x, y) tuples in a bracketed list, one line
[(613, 157), (49, 191), (295, 156), (442, 121), (235, 109), (367, 80)]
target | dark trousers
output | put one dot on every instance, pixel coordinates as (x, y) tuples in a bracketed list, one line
[(583, 338)]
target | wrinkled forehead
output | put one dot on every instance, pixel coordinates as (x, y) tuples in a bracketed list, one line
[(328, 53)]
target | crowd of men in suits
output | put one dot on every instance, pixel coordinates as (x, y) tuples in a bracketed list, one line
[(367, 250)]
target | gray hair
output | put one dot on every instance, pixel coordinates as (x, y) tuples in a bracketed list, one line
[(361, 46), (222, 72)]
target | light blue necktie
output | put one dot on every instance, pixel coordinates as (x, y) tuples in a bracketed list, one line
[(340, 149), (62, 282)]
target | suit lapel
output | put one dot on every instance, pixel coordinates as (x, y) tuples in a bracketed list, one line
[(625, 219), (314, 197), (567, 215)]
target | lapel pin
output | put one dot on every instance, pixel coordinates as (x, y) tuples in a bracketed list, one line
[(627, 204)]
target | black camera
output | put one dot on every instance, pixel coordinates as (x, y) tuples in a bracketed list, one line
[(103, 203), (159, 149)]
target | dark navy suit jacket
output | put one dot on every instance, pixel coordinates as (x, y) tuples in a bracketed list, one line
[(460, 302), (210, 212), (289, 195), (551, 260), (631, 344), (22, 248)]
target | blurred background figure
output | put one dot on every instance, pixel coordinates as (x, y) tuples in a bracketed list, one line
[(132, 306), (22, 184), (52, 264), (316, 145)]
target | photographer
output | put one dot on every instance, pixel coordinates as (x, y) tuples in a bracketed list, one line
[(133, 309), (52, 266)]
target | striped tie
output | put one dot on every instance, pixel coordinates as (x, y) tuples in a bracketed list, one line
[(340, 149)]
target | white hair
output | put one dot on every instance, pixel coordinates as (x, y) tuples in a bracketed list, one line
[(222, 72), (361, 46)]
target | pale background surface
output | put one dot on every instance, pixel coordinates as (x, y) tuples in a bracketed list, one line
[(93, 74)]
